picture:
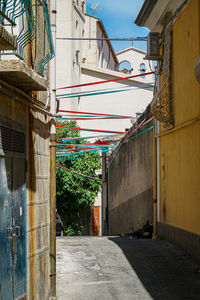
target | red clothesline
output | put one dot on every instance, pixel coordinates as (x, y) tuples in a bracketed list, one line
[(89, 144), (86, 129), (77, 173), (82, 149), (104, 81), (126, 138), (89, 113)]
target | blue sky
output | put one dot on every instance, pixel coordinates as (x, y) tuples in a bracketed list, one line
[(118, 17)]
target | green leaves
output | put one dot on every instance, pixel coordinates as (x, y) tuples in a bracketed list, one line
[(74, 192)]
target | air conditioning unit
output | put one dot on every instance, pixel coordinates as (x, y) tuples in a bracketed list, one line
[(153, 49), (197, 69)]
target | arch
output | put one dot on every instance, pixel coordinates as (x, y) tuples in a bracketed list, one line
[(125, 66), (142, 69)]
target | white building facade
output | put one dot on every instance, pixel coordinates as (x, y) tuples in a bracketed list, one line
[(99, 53), (133, 58), (70, 24)]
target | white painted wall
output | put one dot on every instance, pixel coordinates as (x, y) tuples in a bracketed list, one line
[(123, 103), (136, 58), (70, 23), (96, 53)]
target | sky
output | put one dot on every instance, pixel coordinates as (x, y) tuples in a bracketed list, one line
[(118, 17)]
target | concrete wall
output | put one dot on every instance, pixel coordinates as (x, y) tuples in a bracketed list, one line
[(130, 183)]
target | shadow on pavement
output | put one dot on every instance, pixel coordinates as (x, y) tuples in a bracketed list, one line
[(163, 269)]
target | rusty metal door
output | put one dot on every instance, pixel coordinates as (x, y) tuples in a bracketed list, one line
[(19, 227), (12, 215)]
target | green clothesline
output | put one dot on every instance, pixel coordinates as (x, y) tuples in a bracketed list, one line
[(100, 93), (133, 137)]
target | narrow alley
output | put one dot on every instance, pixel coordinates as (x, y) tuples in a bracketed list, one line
[(99, 149), (91, 268)]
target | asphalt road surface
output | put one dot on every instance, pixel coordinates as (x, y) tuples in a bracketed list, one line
[(104, 268)]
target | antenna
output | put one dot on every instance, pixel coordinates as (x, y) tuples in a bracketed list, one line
[(94, 8)]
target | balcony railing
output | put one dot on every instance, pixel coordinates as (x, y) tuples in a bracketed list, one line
[(29, 20)]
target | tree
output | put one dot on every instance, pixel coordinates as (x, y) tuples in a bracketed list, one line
[(74, 193)]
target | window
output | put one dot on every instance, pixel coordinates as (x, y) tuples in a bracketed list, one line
[(99, 57), (77, 56), (102, 58), (108, 63), (77, 2), (125, 67), (83, 7), (102, 55), (142, 69)]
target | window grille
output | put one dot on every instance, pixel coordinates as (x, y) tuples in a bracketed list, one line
[(162, 106)]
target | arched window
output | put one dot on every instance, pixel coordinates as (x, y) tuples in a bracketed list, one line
[(125, 66), (142, 69)]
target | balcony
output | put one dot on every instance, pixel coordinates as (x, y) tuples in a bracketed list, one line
[(18, 74), (25, 42), (23, 23)]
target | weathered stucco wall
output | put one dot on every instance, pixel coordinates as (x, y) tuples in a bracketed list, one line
[(130, 183), (179, 151), (180, 148)]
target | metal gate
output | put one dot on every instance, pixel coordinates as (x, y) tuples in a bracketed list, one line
[(12, 214)]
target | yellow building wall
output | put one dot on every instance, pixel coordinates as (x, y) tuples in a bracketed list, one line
[(180, 149)]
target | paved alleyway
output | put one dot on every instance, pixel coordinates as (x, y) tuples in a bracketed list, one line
[(92, 268)]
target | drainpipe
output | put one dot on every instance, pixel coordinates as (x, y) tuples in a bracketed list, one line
[(154, 181), (158, 169), (104, 195), (52, 87)]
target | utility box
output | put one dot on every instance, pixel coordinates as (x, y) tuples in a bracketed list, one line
[(153, 50)]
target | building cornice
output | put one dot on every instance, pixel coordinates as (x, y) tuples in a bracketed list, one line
[(145, 12), (92, 17), (131, 49), (113, 74), (157, 14)]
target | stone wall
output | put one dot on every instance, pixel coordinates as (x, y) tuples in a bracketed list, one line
[(130, 182)]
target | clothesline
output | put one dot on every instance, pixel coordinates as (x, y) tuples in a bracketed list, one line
[(105, 81)]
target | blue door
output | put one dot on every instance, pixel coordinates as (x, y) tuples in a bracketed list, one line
[(6, 287), (12, 216), (19, 226)]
